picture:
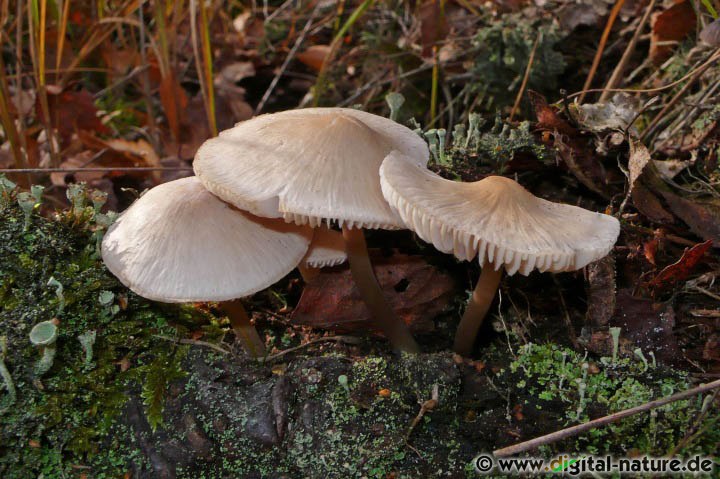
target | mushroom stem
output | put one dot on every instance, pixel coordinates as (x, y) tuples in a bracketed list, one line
[(308, 273), (476, 310), (243, 328), (383, 316)]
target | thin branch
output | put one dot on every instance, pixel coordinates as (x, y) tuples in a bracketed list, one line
[(580, 428), (287, 61), (709, 62), (622, 64), (526, 77), (194, 342), (601, 48), (339, 339)]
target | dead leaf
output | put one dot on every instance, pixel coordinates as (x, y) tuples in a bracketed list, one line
[(433, 25), (573, 148), (314, 56), (639, 158), (650, 250), (649, 205), (669, 169), (671, 26), (71, 111), (680, 270), (702, 216), (416, 291), (174, 101)]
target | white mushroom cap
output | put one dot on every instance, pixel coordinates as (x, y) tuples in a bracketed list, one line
[(326, 249), (495, 219), (179, 243), (308, 165)]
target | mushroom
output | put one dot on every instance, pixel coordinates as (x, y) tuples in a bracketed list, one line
[(178, 243), (44, 335), (498, 221), (312, 166), (326, 249)]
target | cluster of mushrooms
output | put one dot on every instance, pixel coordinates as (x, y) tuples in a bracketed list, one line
[(268, 191)]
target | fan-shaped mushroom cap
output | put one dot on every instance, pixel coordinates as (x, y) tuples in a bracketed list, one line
[(495, 219), (326, 249), (179, 243), (308, 165)]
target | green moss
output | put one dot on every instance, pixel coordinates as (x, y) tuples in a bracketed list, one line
[(502, 51), (64, 418), (551, 378)]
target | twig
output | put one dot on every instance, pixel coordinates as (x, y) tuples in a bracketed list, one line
[(339, 339), (135, 71), (710, 61), (194, 342), (425, 407), (655, 121), (288, 59), (705, 292), (601, 48), (526, 77), (580, 428), (620, 67)]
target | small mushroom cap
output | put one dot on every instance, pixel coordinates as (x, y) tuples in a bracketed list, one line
[(44, 333), (495, 219), (308, 165), (326, 249), (179, 243)]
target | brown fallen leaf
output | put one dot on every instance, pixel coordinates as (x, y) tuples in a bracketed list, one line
[(680, 270), (650, 250), (71, 111), (639, 159), (574, 149), (416, 291), (174, 101), (433, 25), (671, 26), (702, 216), (649, 205)]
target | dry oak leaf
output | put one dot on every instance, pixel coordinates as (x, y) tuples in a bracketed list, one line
[(680, 270), (416, 291)]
